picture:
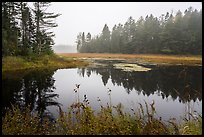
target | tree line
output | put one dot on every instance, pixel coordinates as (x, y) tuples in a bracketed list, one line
[(169, 34), (25, 30)]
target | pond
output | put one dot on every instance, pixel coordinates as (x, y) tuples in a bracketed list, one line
[(175, 90)]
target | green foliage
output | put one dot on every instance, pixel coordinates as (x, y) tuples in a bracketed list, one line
[(25, 30), (179, 34)]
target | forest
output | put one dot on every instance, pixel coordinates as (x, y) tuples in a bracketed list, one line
[(168, 34), (152, 92), (26, 30)]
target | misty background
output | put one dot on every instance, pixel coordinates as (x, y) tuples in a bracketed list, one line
[(91, 16)]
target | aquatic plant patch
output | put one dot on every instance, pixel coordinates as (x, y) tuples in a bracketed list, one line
[(130, 67)]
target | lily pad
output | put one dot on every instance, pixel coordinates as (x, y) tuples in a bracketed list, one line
[(130, 67)]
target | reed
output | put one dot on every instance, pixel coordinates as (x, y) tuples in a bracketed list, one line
[(81, 119)]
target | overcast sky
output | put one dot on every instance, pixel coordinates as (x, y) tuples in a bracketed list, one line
[(92, 16)]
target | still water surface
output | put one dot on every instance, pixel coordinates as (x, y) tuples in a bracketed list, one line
[(174, 89)]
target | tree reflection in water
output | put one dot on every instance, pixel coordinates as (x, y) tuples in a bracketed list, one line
[(34, 89), (184, 83)]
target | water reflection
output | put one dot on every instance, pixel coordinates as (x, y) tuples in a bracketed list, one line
[(184, 83), (40, 90), (33, 88)]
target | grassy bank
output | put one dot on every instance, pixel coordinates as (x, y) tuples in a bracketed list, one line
[(81, 120), (11, 63), (69, 60), (146, 58)]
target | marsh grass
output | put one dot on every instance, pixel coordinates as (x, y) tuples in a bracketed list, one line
[(81, 119), (13, 63), (159, 59), (18, 122)]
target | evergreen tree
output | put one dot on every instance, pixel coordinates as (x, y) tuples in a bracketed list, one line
[(83, 39), (139, 38), (166, 36), (115, 40), (79, 41), (88, 37), (10, 30), (27, 30), (105, 43), (128, 35), (179, 34), (44, 21), (23, 33)]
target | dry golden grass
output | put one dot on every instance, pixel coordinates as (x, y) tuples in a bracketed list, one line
[(152, 58)]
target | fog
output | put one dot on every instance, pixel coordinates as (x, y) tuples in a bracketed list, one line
[(92, 16)]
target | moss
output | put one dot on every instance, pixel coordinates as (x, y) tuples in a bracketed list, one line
[(130, 67)]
